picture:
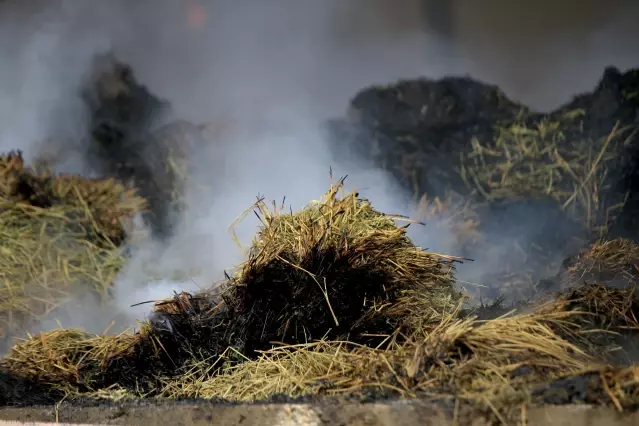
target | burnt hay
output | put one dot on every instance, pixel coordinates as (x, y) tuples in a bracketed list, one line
[(419, 129), (337, 269), (134, 139), (458, 134), (335, 300)]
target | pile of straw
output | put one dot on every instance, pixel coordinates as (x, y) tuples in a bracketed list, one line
[(606, 321), (499, 364), (337, 269), (57, 232), (550, 157), (614, 262), (71, 360), (596, 386), (335, 300)]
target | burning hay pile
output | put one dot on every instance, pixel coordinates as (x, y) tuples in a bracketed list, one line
[(57, 233), (334, 300), (338, 270), (420, 129), (135, 139), (576, 166)]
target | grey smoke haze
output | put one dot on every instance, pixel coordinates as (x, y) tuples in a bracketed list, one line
[(266, 73)]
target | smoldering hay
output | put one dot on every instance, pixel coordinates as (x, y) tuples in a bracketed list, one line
[(134, 137), (338, 269), (575, 168), (336, 300)]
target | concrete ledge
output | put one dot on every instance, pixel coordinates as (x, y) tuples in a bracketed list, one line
[(406, 413)]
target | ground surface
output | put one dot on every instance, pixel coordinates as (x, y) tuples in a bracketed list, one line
[(388, 413)]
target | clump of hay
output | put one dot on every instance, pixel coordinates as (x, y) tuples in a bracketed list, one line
[(98, 206), (183, 331), (610, 308), (614, 262), (71, 361), (551, 157), (56, 232), (607, 317), (336, 269)]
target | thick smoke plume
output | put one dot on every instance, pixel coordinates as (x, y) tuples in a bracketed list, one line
[(264, 75)]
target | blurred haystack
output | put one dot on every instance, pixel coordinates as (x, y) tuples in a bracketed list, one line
[(582, 155), (613, 262), (416, 129), (100, 206), (579, 155), (57, 232), (538, 181), (134, 138), (549, 157)]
